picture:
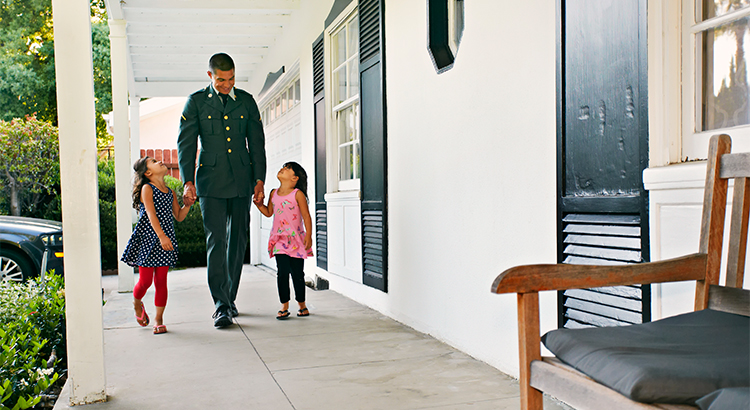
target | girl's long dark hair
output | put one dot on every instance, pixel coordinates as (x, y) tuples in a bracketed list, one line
[(301, 174), (139, 180)]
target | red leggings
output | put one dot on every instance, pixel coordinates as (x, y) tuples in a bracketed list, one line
[(159, 277)]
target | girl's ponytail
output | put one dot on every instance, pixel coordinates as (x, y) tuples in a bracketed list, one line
[(139, 180), (301, 175)]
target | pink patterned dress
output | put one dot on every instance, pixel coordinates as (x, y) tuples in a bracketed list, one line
[(288, 232)]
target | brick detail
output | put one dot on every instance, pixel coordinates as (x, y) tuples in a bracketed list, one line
[(167, 156)]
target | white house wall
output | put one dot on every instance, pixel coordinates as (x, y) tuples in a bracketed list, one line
[(160, 124), (471, 172)]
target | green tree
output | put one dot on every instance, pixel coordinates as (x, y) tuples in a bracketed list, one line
[(27, 62), (29, 162), (27, 68)]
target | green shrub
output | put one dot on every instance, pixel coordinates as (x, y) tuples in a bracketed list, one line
[(107, 214), (32, 318), (191, 239)]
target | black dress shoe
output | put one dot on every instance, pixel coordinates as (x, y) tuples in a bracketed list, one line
[(222, 317), (233, 312)]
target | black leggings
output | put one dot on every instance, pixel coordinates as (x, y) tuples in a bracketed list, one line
[(285, 265)]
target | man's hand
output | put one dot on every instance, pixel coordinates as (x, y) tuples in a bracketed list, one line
[(259, 195), (189, 195)]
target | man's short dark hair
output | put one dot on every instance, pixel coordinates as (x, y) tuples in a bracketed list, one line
[(220, 61)]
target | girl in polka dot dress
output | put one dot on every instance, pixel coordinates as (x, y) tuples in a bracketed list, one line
[(152, 246), (289, 242)]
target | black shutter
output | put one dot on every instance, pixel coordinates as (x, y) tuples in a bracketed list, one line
[(321, 233), (603, 239), (374, 159)]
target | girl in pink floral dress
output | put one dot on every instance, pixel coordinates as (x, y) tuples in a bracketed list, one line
[(289, 241)]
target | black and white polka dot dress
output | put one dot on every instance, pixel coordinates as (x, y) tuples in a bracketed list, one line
[(144, 248)]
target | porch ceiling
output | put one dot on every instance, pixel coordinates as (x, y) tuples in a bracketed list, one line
[(170, 41)]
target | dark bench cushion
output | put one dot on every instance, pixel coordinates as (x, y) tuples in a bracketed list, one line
[(674, 360)]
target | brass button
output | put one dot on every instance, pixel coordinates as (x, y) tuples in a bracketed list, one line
[(229, 150), (229, 139), (201, 164), (226, 117), (227, 128), (242, 116), (209, 117)]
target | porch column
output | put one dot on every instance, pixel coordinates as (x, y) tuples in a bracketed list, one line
[(123, 166), (80, 200), (135, 128), (135, 139)]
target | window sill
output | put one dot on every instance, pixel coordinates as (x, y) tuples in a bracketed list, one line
[(676, 176), (342, 196)]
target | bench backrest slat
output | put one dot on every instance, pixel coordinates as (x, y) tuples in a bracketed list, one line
[(721, 166)]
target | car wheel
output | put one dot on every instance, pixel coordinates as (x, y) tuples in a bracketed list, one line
[(14, 266)]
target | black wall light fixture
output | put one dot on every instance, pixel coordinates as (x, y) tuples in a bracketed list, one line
[(445, 26)]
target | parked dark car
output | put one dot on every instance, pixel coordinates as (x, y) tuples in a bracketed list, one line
[(23, 242)]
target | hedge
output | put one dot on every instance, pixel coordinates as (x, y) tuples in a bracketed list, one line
[(33, 362)]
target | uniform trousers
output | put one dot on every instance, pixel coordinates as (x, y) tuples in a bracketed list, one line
[(226, 222)]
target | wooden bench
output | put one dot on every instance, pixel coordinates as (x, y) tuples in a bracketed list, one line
[(550, 375)]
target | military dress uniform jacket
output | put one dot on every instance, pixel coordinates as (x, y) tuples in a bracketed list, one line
[(232, 155)]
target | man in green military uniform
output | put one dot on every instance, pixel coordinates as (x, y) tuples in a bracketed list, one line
[(231, 166)]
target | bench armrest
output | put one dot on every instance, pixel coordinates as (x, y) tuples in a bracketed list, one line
[(535, 278)]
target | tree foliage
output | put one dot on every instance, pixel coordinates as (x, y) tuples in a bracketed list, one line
[(27, 62), (29, 163)]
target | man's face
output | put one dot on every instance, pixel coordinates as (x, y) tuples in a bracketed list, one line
[(223, 81)]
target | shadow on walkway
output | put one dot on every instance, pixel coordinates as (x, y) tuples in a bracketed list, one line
[(343, 356)]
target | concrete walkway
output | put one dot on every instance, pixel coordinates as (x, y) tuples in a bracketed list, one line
[(343, 356)]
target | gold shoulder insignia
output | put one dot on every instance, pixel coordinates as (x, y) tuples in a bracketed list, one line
[(183, 118)]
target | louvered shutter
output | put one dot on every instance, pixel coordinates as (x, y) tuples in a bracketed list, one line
[(321, 231), (373, 139), (601, 239)]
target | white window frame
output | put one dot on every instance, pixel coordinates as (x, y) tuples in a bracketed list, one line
[(694, 142), (335, 184)]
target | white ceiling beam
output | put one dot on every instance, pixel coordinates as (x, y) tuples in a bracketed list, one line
[(200, 40), (198, 66), (197, 49), (176, 72), (162, 58), (194, 17), (261, 5), (203, 29)]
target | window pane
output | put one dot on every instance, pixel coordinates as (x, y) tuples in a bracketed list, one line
[(356, 154), (339, 85), (353, 78), (278, 107), (348, 123), (353, 37), (339, 48), (725, 92), (715, 8), (346, 164), (284, 100), (296, 92)]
